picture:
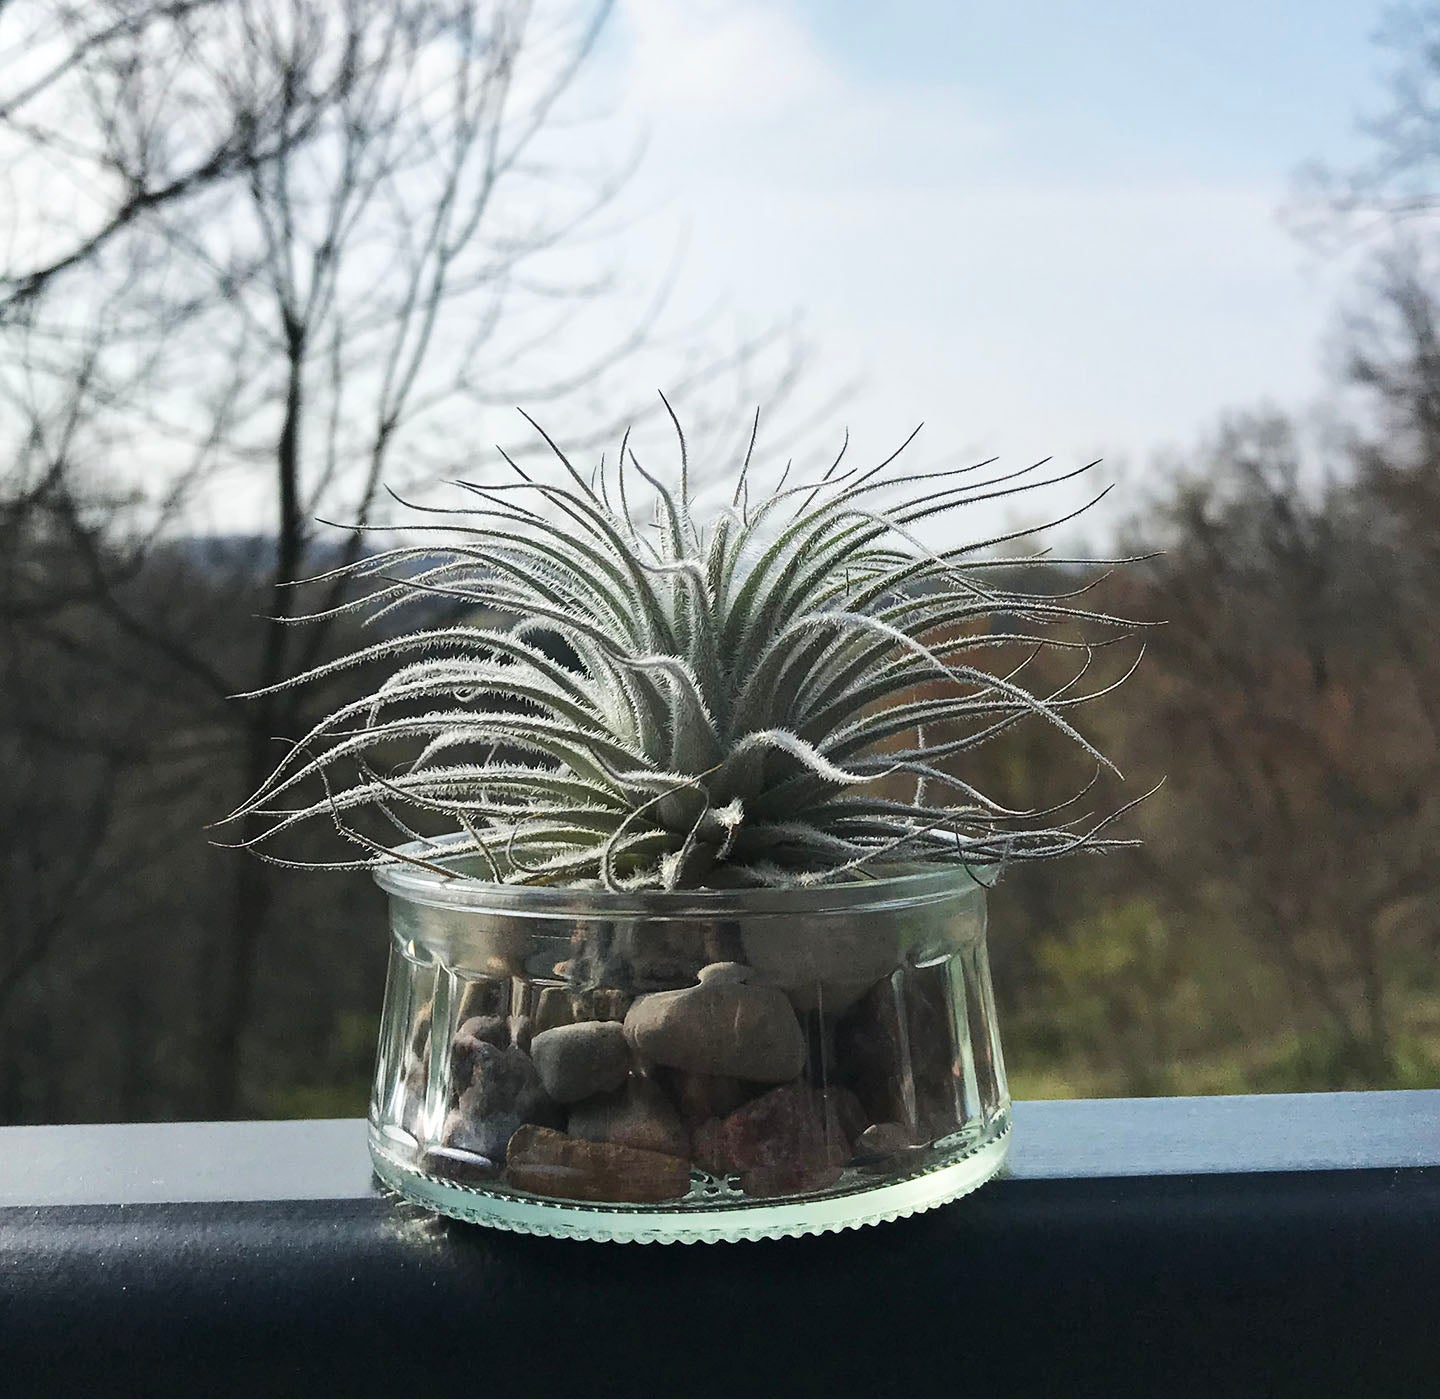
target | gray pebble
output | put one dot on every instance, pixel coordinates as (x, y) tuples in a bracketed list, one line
[(578, 1061), (505, 1093), (883, 1140), (459, 1165)]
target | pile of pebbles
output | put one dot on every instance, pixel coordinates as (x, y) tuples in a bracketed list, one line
[(722, 1076)]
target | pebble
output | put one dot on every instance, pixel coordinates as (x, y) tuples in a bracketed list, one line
[(554, 1006), (465, 1049), (721, 1026), (466, 1130), (699, 1097), (577, 1061), (504, 1094), (420, 1033), (639, 1115), (486, 997), (767, 1182), (778, 1144), (490, 1028), (463, 1166), (845, 1114), (881, 1142), (416, 1082), (601, 1003), (898, 1051), (545, 1162)]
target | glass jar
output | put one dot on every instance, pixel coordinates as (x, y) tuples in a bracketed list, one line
[(687, 1066)]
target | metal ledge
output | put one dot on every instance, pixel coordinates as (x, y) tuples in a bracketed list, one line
[(1250, 1246)]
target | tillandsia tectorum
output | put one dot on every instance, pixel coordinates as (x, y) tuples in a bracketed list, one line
[(737, 690)]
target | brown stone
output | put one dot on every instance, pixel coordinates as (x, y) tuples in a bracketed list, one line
[(416, 1082), (699, 1097), (721, 1026), (845, 1115), (546, 1162), (420, 1033), (487, 997), (639, 1115), (777, 1144), (554, 1006), (766, 1182)]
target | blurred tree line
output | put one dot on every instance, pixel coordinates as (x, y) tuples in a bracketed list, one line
[(313, 241), (1278, 928)]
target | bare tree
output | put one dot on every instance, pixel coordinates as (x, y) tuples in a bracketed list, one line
[(330, 235), (70, 60), (1398, 181)]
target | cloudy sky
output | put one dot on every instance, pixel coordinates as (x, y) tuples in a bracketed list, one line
[(1042, 227)]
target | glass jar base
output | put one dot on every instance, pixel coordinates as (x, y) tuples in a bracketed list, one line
[(860, 1204)]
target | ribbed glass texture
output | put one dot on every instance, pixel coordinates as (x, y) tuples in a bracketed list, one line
[(687, 1066)]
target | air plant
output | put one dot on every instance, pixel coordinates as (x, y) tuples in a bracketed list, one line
[(741, 685)]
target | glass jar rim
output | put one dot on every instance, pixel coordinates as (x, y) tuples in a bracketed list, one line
[(898, 887)]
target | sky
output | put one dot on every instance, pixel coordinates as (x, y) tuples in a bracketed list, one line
[(1041, 228)]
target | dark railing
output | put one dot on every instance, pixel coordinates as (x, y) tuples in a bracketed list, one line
[(1247, 1246)]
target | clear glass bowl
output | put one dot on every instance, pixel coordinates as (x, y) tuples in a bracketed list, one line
[(687, 1066)]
